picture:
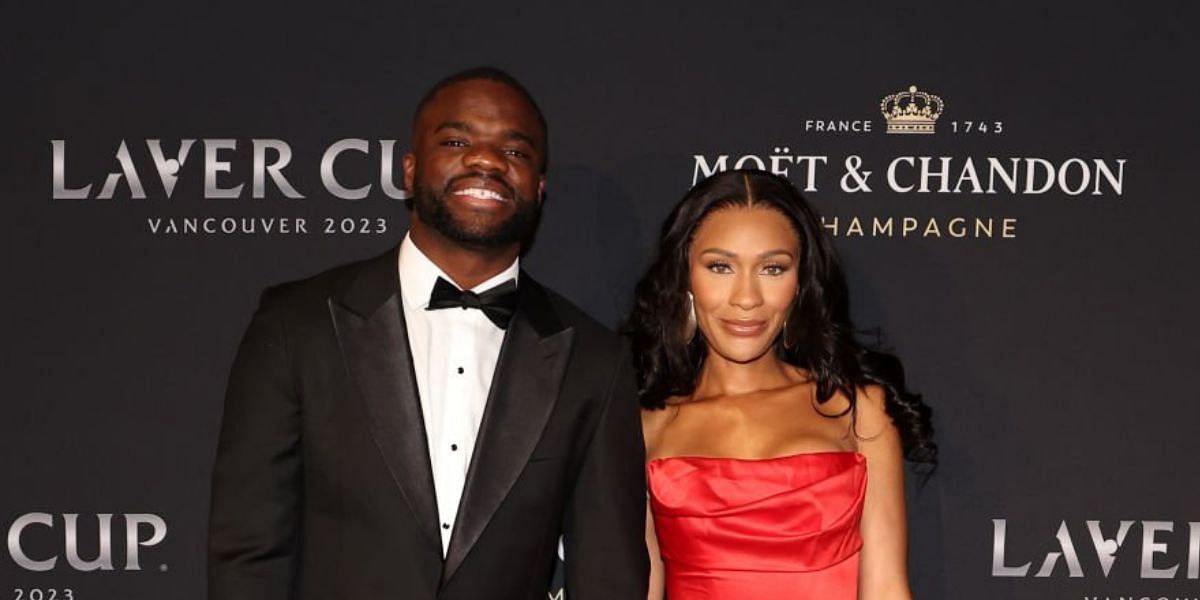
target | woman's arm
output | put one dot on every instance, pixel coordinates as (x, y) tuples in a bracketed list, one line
[(657, 583), (883, 566), (652, 424)]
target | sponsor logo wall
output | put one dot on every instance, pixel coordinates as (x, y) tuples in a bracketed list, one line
[(1012, 193)]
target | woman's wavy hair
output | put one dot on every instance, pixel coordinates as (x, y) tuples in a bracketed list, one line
[(818, 335)]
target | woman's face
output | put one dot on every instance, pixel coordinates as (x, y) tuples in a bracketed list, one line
[(742, 270)]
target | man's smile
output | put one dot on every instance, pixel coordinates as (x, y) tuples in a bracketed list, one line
[(480, 194)]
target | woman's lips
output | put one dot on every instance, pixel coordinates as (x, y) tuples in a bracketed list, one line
[(744, 327)]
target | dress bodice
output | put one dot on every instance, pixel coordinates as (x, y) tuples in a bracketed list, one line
[(739, 529)]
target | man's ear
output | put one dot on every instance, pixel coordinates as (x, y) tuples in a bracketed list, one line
[(410, 169), (541, 188)]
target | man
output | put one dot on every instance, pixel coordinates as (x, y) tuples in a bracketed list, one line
[(388, 435)]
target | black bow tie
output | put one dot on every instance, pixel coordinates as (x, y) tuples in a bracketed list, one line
[(497, 303)]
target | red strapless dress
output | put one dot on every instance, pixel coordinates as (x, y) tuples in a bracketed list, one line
[(735, 529)]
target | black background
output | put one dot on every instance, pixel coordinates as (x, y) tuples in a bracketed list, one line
[(1059, 362)]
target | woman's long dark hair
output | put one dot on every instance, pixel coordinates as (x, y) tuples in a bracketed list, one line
[(818, 337)]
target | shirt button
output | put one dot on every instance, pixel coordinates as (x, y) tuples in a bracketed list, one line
[(460, 370), (445, 526), (454, 447)]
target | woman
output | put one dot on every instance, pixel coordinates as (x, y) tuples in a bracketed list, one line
[(775, 441)]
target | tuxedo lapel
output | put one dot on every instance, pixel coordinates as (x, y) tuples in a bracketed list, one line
[(525, 386), (369, 321)]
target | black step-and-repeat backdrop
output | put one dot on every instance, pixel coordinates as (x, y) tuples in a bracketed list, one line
[(1012, 189)]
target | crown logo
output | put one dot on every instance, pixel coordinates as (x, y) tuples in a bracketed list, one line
[(913, 111)]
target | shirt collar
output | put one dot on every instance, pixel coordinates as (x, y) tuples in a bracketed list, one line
[(418, 274)]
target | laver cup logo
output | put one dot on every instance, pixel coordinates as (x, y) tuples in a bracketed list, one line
[(219, 172), (268, 162), (1165, 550), (37, 541)]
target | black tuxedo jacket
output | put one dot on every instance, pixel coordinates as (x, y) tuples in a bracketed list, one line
[(322, 487)]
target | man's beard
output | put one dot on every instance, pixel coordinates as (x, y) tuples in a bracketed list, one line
[(518, 228)]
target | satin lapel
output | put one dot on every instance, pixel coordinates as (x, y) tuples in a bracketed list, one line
[(369, 321), (524, 389)]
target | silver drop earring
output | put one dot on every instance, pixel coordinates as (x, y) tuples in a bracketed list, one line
[(689, 325), (789, 341)]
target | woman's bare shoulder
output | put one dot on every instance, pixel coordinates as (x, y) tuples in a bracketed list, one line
[(871, 408), (654, 421)]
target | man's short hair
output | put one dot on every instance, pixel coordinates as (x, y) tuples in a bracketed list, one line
[(488, 73)]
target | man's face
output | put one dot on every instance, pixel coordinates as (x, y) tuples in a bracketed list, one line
[(475, 165)]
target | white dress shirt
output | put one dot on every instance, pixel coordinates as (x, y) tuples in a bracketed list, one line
[(454, 353)]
